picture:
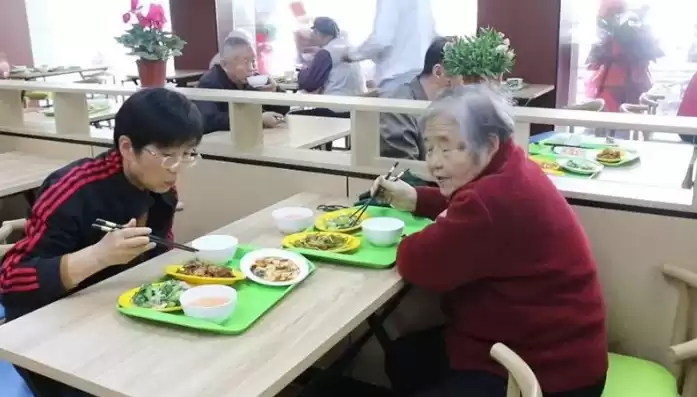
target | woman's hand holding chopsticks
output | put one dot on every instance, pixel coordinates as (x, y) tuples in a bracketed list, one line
[(121, 246), (395, 192)]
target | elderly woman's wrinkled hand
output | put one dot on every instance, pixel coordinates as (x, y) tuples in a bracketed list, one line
[(398, 194)]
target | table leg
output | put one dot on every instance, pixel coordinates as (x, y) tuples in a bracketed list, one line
[(375, 328)]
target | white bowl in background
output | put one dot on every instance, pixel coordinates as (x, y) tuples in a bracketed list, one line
[(215, 248), (258, 80), (209, 302), (383, 231), (291, 220)]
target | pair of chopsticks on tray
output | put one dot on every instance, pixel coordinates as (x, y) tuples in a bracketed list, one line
[(356, 216), (107, 226)]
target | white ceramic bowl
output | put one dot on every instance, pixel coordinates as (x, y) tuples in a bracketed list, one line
[(215, 248), (194, 302), (258, 80), (291, 220), (383, 231)]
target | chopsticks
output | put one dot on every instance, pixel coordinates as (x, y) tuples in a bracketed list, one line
[(107, 226), (356, 216)]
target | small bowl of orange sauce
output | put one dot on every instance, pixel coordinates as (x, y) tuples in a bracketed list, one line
[(213, 302)]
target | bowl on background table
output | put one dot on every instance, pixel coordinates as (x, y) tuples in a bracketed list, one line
[(383, 231), (214, 303), (215, 248), (290, 220), (258, 80)]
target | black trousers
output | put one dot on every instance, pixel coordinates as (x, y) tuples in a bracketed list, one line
[(42, 386), (418, 365)]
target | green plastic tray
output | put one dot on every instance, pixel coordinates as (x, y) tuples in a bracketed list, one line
[(369, 255), (253, 301), (553, 157)]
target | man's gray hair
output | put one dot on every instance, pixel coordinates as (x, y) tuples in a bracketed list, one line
[(233, 42), (479, 111)]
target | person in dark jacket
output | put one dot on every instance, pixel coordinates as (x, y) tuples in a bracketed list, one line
[(237, 62), (508, 256), (156, 133)]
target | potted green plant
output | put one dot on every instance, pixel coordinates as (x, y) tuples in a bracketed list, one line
[(148, 40), (484, 56)]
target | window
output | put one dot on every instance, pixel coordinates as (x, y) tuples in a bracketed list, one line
[(81, 33), (674, 23), (354, 17)]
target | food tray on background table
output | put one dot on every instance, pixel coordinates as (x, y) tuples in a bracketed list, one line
[(577, 140), (369, 255), (253, 301), (550, 164), (625, 155)]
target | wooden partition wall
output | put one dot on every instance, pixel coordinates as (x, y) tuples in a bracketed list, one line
[(634, 229)]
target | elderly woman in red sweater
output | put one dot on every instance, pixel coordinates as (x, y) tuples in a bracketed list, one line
[(508, 256)]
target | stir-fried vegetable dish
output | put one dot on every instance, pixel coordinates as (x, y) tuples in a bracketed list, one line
[(160, 295)]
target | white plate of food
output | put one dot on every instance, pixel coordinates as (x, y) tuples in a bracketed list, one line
[(274, 267)]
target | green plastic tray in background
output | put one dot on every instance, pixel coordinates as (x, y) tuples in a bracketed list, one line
[(369, 255), (253, 301)]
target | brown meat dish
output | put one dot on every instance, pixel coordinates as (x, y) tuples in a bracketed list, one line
[(198, 268)]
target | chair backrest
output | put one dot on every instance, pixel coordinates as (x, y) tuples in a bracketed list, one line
[(634, 108), (684, 351), (521, 379), (650, 100), (596, 105)]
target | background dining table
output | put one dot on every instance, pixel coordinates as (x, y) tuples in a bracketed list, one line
[(83, 341), (21, 172)]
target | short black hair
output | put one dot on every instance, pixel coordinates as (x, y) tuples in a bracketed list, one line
[(160, 117), (326, 26), (434, 55)]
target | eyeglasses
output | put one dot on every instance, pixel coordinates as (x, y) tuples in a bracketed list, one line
[(187, 160)]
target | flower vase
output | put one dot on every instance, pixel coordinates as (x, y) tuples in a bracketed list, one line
[(152, 73)]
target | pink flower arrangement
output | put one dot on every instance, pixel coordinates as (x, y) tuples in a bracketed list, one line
[(155, 18), (146, 37)]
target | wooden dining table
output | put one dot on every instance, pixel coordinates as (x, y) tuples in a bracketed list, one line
[(84, 342), (21, 172), (35, 74), (299, 132), (180, 77)]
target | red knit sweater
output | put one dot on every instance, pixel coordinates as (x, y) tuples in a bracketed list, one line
[(514, 266)]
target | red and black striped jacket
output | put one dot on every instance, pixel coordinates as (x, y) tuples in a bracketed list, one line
[(59, 223)]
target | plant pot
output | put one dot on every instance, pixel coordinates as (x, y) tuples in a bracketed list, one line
[(152, 73)]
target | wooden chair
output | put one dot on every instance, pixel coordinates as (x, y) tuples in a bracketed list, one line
[(596, 105), (521, 379), (636, 109), (632, 376), (7, 228)]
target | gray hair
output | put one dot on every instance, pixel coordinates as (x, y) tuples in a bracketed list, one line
[(232, 43), (479, 111)]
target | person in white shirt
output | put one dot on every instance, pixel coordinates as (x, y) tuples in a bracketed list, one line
[(402, 32)]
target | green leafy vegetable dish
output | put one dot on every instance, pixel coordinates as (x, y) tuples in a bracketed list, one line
[(160, 296), (581, 165), (340, 222)]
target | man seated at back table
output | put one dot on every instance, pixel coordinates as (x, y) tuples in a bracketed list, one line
[(400, 134), (237, 62), (327, 74), (156, 133)]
